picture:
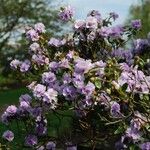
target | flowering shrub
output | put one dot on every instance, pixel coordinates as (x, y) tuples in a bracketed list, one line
[(97, 91)]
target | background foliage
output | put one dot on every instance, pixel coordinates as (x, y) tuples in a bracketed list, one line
[(15, 17), (141, 11)]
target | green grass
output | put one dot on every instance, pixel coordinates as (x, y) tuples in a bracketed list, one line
[(6, 80), (11, 96)]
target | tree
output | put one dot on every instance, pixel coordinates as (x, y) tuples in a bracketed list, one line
[(15, 15), (141, 11)]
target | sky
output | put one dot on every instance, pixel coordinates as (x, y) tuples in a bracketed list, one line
[(82, 7)]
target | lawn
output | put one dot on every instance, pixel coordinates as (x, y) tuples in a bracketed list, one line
[(11, 96)]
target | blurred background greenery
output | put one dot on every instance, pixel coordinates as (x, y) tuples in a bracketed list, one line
[(16, 15), (142, 12)]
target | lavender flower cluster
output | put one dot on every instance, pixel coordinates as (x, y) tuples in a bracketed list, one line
[(141, 46), (96, 92)]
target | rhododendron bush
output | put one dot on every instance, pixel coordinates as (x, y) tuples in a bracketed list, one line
[(86, 88)]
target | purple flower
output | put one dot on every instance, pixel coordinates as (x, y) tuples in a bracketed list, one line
[(69, 92), (72, 147), (32, 35), (144, 88), (56, 42), (66, 78), (136, 24), (41, 129), (15, 64), (133, 134), (135, 124), (70, 55), (145, 146), (104, 32), (36, 112), (91, 22), (78, 81), (140, 46), (79, 24), (50, 96), (116, 32), (87, 101), (133, 131), (39, 90), (39, 27), (40, 59), (53, 66), (25, 97), (100, 64), (135, 79), (115, 109), (48, 77), (66, 13), (25, 66), (125, 78), (96, 14), (88, 89), (114, 15), (35, 48), (122, 54), (8, 135), (64, 63), (31, 140), (50, 146), (104, 99), (24, 105), (11, 110), (83, 66), (4, 118), (57, 86), (124, 67)]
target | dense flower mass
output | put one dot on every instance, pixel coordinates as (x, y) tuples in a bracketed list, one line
[(145, 146), (140, 46), (23, 66), (88, 80), (39, 27), (122, 54), (56, 42), (32, 35)]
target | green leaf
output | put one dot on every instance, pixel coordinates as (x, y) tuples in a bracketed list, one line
[(146, 97), (133, 147), (147, 127), (124, 87), (119, 130), (98, 83)]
